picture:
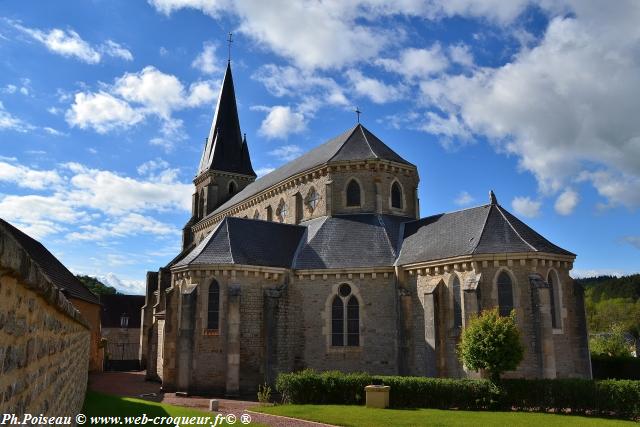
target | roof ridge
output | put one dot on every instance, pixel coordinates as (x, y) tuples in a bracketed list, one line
[(386, 234), (346, 138), (364, 135), (229, 239), (484, 228), (514, 229)]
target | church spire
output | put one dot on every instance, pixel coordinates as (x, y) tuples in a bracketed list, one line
[(225, 149)]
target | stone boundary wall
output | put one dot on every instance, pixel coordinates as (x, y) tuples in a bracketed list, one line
[(44, 340)]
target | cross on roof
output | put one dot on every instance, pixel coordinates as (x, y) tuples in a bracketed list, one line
[(230, 40), (358, 112)]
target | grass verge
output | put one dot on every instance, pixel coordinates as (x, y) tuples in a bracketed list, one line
[(358, 416)]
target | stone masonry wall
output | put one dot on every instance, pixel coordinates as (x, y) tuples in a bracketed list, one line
[(44, 354), (567, 345)]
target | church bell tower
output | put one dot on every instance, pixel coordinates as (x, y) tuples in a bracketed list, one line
[(225, 167)]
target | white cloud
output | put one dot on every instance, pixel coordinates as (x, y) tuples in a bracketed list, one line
[(93, 201), (151, 166), (10, 122), (207, 6), (449, 127), (206, 61), (414, 62), (52, 131), (461, 54), (286, 152), (116, 50), (526, 207), (292, 81), (135, 96), (376, 90), (281, 121), (263, 171), (567, 202), (101, 111), (25, 177), (583, 273), (464, 199), (565, 107), (66, 43), (129, 287)]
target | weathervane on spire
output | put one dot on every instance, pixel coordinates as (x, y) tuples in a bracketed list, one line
[(358, 112), (230, 40)]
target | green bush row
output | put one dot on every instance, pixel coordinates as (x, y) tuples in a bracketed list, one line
[(619, 398)]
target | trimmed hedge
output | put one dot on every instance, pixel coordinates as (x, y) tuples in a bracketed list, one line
[(622, 368), (620, 398)]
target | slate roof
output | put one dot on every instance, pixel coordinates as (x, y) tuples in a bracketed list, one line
[(225, 149), (247, 241), (57, 273), (484, 229), (358, 143), (114, 306), (364, 240)]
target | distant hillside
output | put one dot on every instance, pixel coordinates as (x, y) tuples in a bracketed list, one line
[(610, 287), (96, 286)]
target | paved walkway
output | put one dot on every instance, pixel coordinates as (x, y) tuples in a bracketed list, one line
[(133, 384)]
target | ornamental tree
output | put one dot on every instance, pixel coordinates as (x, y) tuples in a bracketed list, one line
[(492, 343)]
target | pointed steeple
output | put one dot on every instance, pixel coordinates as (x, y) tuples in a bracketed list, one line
[(225, 150)]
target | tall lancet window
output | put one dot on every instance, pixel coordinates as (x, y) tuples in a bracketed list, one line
[(201, 212), (232, 189), (505, 294), (213, 308), (396, 195), (457, 303), (345, 318), (353, 193)]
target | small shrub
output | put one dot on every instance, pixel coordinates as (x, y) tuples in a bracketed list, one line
[(264, 393), (491, 342), (612, 343)]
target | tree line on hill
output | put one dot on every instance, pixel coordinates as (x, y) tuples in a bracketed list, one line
[(96, 286), (613, 313)]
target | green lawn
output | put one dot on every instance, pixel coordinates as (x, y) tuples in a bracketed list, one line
[(358, 416), (98, 404)]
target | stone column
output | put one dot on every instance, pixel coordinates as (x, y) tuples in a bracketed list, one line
[(270, 318), (431, 332), (233, 341), (188, 300), (379, 203), (470, 298), (328, 198), (541, 320)]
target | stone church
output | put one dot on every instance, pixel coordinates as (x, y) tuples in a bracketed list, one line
[(325, 263)]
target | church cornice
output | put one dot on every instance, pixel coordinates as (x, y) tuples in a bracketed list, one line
[(475, 262), (214, 173), (376, 165)]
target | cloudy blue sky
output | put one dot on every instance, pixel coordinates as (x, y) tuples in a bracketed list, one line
[(105, 105)]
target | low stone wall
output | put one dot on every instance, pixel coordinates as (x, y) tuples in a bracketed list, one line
[(44, 341)]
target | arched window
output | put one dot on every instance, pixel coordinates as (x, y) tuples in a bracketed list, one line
[(269, 213), (345, 324), (282, 211), (201, 212), (353, 193), (233, 189), (505, 294), (396, 195), (457, 307), (256, 214), (213, 308), (337, 322), (554, 299)]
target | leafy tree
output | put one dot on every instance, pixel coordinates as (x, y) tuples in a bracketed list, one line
[(492, 343), (96, 286), (612, 343)]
